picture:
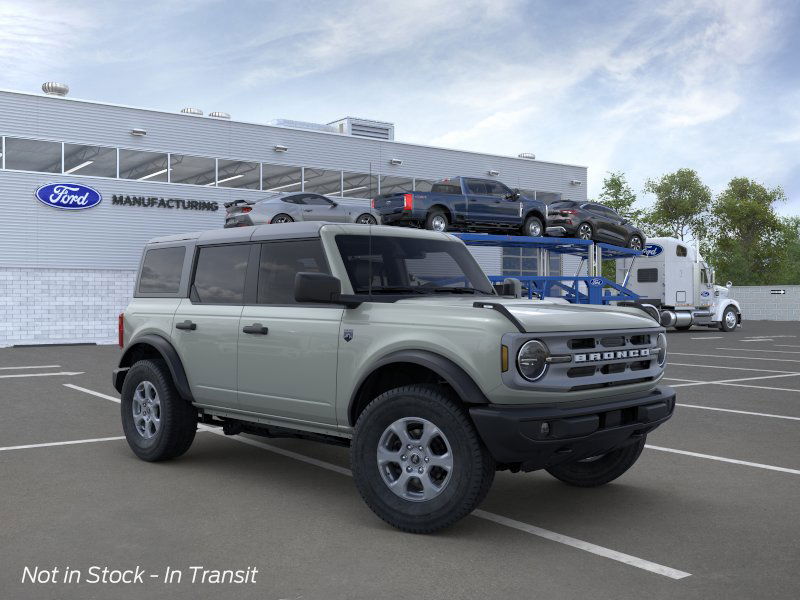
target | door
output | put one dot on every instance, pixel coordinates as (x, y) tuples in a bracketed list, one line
[(603, 222), (319, 208), (206, 325), (288, 351), (486, 204), (705, 289)]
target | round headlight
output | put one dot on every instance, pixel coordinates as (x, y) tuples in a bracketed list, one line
[(661, 347), (531, 360)]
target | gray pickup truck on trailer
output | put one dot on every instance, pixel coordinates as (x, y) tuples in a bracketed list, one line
[(350, 334)]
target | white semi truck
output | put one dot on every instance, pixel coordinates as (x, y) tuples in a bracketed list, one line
[(671, 276)]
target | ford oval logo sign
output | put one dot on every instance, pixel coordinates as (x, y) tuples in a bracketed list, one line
[(68, 196), (596, 281), (652, 250), (705, 294)]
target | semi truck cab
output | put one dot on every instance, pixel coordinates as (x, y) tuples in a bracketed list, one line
[(672, 276)]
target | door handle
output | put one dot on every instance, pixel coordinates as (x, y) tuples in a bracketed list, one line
[(308, 210), (186, 325), (256, 328)]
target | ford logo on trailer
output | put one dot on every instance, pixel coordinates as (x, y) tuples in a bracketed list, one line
[(652, 250), (596, 282), (705, 294), (68, 196)]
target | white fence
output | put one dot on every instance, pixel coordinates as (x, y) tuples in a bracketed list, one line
[(768, 302)]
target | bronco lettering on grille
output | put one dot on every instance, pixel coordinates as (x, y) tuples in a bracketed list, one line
[(616, 355)]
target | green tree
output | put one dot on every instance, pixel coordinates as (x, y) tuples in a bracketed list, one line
[(617, 194), (681, 206), (750, 243)]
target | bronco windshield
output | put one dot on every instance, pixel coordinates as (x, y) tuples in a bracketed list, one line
[(404, 265)]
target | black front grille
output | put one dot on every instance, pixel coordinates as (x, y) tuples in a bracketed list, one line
[(613, 342)]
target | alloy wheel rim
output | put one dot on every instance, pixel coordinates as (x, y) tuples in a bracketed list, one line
[(534, 229), (730, 319), (636, 243), (281, 220), (415, 459), (439, 223), (146, 409), (367, 220), (584, 232)]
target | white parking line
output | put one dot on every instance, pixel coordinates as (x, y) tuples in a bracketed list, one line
[(92, 392), (749, 350), (672, 364), (67, 443), (723, 459), (748, 358), (66, 373), (759, 340), (740, 412), (31, 367), (481, 514), (708, 337), (581, 545), (788, 345), (728, 381)]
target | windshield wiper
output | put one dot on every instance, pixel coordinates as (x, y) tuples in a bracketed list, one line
[(391, 290), (460, 290)]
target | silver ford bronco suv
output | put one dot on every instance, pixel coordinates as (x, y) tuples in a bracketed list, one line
[(390, 341)]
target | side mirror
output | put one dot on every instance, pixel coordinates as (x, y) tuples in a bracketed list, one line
[(334, 204), (317, 287)]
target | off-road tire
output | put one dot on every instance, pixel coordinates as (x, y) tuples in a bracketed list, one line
[(178, 418), (592, 473), (473, 467), (723, 324), (530, 223), (434, 215)]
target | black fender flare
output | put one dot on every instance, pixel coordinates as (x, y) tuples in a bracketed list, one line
[(167, 352), (458, 379)]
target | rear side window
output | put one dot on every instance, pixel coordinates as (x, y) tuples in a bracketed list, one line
[(446, 188), (647, 275), (161, 270), (280, 262), (220, 273)]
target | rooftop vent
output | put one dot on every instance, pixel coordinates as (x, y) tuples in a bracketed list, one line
[(302, 125), (527, 155), (51, 88), (192, 111), (219, 115), (376, 130)]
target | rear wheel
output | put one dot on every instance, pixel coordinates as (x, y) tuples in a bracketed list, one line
[(729, 320), (282, 218), (436, 220), (157, 422), (417, 459), (367, 219), (584, 231), (599, 470), (533, 227)]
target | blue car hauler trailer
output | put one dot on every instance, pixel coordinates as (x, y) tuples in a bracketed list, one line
[(591, 288)]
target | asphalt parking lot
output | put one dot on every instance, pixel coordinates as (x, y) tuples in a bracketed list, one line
[(709, 511)]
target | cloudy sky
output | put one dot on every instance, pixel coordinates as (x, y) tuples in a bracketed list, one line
[(642, 87)]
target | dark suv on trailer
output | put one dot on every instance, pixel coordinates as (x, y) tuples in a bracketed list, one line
[(592, 221)]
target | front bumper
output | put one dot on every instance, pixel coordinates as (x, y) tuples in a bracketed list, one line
[(518, 435)]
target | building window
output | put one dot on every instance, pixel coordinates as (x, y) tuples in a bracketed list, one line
[(423, 185), (279, 178), (322, 181), (238, 174), (396, 185), (194, 170), (33, 155), (143, 166), (96, 161), (359, 185)]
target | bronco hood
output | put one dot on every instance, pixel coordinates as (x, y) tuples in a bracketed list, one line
[(543, 315)]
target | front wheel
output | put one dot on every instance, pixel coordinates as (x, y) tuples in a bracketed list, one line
[(729, 320), (599, 470), (418, 461), (533, 227), (157, 422)]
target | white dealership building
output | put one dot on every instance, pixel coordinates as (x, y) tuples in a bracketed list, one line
[(66, 274)]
